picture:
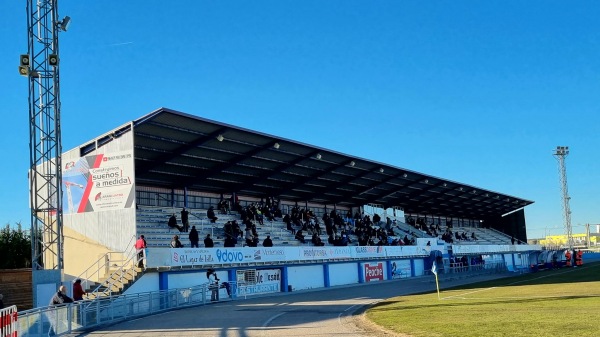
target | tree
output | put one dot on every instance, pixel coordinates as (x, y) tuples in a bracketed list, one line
[(15, 248)]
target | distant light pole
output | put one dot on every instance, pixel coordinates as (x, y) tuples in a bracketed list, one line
[(560, 154)]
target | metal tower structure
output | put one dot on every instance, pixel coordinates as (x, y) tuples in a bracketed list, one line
[(40, 66), (560, 154)]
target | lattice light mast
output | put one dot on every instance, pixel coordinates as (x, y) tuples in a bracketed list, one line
[(41, 67), (561, 154)]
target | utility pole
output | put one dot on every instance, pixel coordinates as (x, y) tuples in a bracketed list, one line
[(588, 244), (560, 154), (40, 65)]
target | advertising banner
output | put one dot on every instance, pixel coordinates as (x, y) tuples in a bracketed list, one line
[(99, 182), (393, 251), (267, 281), (401, 269), (197, 256), (367, 251), (160, 257), (307, 253), (374, 271)]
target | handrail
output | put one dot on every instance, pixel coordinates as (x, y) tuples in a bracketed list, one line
[(86, 275), (116, 276)]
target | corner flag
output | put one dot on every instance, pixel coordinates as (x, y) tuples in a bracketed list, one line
[(434, 271)]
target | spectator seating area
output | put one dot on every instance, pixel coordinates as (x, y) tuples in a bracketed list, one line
[(152, 223)]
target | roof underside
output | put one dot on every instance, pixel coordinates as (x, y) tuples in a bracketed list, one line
[(177, 150)]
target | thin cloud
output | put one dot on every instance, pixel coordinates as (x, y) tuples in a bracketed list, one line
[(119, 44)]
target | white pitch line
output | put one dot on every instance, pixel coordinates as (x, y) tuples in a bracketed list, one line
[(471, 292), (520, 297), (341, 313), (267, 322)]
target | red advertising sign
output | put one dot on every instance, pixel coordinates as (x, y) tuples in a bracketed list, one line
[(373, 272)]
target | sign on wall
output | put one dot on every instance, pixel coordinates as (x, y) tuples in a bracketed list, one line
[(401, 269), (373, 272), (98, 182), (267, 281)]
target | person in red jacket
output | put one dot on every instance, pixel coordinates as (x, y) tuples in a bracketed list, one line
[(78, 291), (140, 244)]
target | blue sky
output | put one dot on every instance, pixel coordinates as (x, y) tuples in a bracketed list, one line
[(480, 92)]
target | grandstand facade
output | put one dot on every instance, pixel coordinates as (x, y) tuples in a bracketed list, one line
[(129, 181)]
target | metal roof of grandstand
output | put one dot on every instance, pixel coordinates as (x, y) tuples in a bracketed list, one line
[(176, 150)]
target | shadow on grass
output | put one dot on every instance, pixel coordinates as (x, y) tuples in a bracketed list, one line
[(392, 305)]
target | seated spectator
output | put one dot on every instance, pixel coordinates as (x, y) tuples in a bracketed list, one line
[(173, 223), (268, 242), (254, 241), (316, 240), (208, 242), (223, 206), (175, 243), (299, 236), (330, 239), (473, 236), (210, 214)]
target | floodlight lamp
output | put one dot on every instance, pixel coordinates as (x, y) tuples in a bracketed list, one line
[(445, 184), (276, 145), (405, 175), (381, 170), (53, 60), (426, 181), (318, 156), (65, 23), (352, 163), (24, 60), (220, 138), (24, 71)]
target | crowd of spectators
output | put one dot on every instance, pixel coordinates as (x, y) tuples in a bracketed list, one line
[(307, 228)]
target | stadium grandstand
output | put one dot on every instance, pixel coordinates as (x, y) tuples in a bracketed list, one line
[(362, 221)]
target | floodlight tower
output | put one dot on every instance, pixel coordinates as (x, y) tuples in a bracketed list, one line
[(560, 154), (40, 65)]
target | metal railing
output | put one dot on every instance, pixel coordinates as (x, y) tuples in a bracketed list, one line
[(102, 266), (89, 314), (460, 269), (117, 279)]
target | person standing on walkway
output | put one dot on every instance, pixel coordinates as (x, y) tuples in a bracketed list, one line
[(213, 284), (58, 315)]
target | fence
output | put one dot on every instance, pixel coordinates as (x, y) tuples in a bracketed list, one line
[(84, 315), (8, 322), (459, 269)]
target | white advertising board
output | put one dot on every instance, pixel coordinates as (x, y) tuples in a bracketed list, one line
[(267, 281)]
